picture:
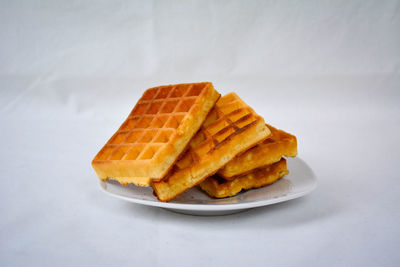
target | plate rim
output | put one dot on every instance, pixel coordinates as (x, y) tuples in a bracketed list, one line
[(219, 207)]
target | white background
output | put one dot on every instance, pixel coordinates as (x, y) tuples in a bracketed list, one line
[(326, 71)]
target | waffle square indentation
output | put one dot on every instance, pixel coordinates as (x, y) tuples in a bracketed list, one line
[(159, 121), (118, 138), (133, 137), (246, 120), (185, 105), (149, 152), (139, 109), (169, 106), (164, 92), (154, 108), (196, 89), (217, 126), (144, 123), (179, 91), (150, 94), (147, 137), (163, 136), (134, 152), (130, 124), (119, 153), (105, 152), (223, 134)]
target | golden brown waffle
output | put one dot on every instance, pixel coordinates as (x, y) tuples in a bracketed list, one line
[(220, 188), (231, 128), (156, 132), (270, 151)]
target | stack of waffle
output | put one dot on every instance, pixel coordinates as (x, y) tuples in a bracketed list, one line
[(181, 136)]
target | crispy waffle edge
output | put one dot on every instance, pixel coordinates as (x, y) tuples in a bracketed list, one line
[(261, 155), (256, 179)]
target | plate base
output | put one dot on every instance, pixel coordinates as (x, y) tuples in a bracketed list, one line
[(298, 183), (207, 213)]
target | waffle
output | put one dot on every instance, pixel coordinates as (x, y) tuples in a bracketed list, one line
[(231, 128), (270, 151), (156, 132), (217, 187)]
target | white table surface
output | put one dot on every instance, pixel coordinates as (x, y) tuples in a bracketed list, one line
[(62, 95)]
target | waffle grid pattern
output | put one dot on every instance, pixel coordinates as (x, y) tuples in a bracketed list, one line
[(228, 117), (152, 122), (279, 144)]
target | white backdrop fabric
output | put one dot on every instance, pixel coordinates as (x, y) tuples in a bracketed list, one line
[(326, 71)]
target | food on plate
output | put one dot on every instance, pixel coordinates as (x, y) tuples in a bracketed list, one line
[(155, 133), (270, 151), (180, 136), (231, 127), (218, 187)]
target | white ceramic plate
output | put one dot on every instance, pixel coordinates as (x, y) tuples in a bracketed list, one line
[(298, 183)]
